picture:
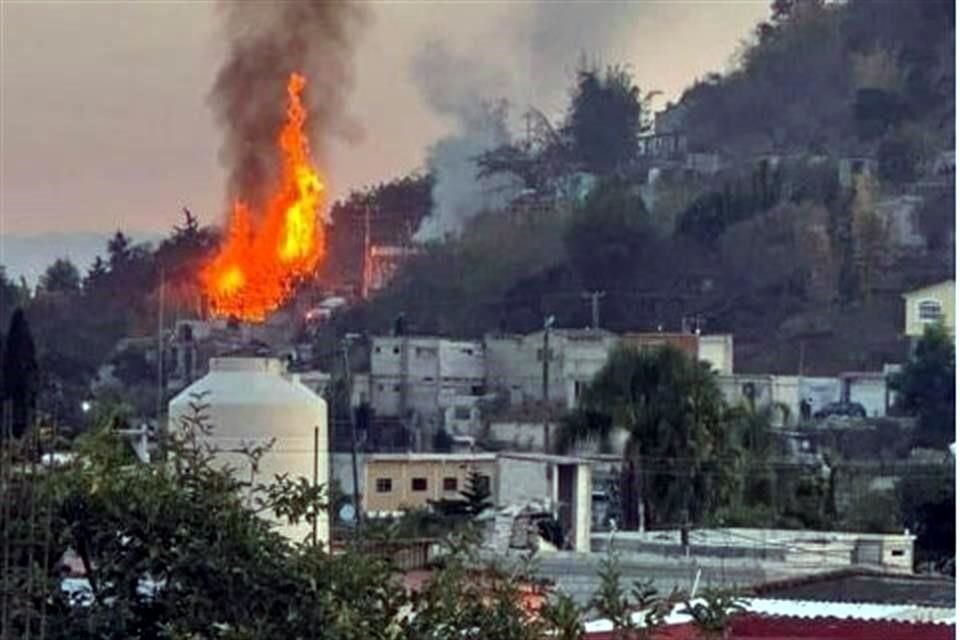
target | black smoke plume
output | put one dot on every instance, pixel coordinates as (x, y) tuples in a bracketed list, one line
[(267, 41)]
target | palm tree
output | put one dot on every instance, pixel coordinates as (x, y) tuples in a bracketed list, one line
[(678, 453)]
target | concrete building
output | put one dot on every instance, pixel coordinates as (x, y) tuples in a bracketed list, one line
[(398, 482), (715, 349), (430, 382), (515, 364), (929, 305), (395, 482), (252, 403)]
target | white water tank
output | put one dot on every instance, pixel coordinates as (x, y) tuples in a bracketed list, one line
[(250, 401)]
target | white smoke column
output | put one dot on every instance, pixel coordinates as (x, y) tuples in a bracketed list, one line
[(540, 44), (462, 88)]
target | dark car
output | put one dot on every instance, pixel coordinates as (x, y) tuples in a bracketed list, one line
[(842, 409)]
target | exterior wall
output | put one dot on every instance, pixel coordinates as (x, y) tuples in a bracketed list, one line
[(686, 342), (716, 350), (521, 481), (870, 390), (519, 435), (425, 376), (515, 365), (819, 391), (943, 292), (402, 469)]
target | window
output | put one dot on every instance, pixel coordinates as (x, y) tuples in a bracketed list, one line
[(449, 484), (418, 484), (396, 387), (461, 413), (384, 485), (396, 350), (897, 553), (929, 311), (477, 390), (377, 349)]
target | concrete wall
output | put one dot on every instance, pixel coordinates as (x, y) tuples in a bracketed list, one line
[(819, 391), (717, 350), (515, 364), (424, 375), (868, 390)]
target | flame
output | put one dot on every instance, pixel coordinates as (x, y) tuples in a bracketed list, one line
[(258, 266)]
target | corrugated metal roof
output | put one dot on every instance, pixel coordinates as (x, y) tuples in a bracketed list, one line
[(811, 610)]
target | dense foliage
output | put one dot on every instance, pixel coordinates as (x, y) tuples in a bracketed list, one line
[(927, 387)]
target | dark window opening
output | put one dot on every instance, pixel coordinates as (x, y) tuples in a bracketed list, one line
[(418, 484)]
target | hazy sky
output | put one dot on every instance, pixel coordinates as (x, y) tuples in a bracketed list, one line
[(104, 115)]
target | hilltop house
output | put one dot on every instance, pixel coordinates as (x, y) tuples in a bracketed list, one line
[(929, 305)]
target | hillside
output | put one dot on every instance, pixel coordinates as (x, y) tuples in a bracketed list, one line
[(788, 244)]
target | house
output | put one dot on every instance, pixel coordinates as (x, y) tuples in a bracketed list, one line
[(716, 349), (929, 305), (394, 482), (429, 381), (515, 364), (398, 482)]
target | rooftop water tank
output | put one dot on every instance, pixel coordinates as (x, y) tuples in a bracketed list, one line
[(250, 401)]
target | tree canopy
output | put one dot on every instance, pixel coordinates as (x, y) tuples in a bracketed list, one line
[(926, 387), (605, 119), (678, 453)]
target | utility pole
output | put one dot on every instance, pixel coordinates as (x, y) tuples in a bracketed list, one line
[(547, 325), (160, 350), (594, 297), (347, 339)]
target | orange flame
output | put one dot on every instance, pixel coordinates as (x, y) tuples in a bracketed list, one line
[(258, 266)]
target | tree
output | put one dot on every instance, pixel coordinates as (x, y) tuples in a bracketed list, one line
[(926, 387), (474, 499), (678, 452), (20, 373), (60, 277), (608, 233), (605, 119)]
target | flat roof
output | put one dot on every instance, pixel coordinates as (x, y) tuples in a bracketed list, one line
[(542, 457), (858, 585), (431, 457)]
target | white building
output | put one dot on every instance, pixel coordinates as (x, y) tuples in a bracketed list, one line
[(515, 364), (432, 381)]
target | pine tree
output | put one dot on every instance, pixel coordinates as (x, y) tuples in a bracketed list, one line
[(20, 373)]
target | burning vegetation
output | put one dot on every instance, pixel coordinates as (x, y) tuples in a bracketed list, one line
[(266, 253)]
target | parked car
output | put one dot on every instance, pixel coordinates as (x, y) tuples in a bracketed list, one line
[(842, 409)]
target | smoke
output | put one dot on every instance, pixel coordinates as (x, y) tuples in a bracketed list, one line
[(266, 42), (462, 88), (532, 64)]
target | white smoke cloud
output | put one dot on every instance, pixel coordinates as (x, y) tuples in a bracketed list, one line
[(543, 42)]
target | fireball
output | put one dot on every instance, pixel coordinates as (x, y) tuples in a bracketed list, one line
[(264, 256)]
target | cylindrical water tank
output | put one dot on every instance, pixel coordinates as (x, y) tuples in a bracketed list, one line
[(249, 402)]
